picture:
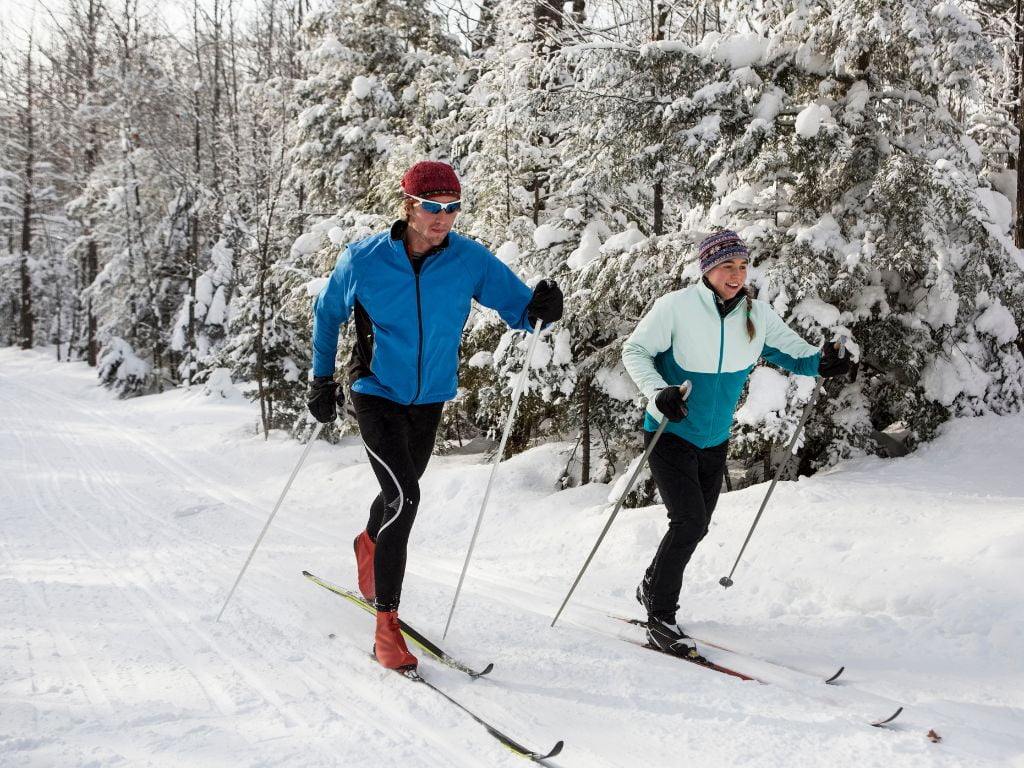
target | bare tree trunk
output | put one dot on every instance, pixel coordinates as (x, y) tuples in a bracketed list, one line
[(579, 11), (548, 23), (60, 313), (218, 76), (25, 313), (585, 431), (1018, 17), (260, 344), (234, 81), (273, 196), (192, 253), (659, 18), (660, 11), (92, 269), (659, 207), (193, 276), (263, 246), (134, 227), (92, 261)]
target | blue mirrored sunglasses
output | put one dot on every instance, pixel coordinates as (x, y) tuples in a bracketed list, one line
[(431, 206)]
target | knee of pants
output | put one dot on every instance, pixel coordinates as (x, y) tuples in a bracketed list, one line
[(412, 498), (689, 528), (400, 519), (409, 493)]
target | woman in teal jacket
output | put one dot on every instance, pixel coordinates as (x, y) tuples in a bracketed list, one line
[(712, 334)]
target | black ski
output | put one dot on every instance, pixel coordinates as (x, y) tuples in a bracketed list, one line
[(889, 719), (411, 634), (515, 746), (701, 661), (640, 623)]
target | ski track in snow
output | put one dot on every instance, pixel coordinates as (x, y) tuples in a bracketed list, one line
[(124, 524)]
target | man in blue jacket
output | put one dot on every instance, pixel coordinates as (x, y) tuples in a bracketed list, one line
[(410, 290)]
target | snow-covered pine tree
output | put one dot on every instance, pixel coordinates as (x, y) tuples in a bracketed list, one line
[(23, 147), (268, 326), (997, 123), (82, 51), (524, 204), (269, 346), (9, 278), (144, 202), (639, 107), (35, 287), (208, 188), (359, 99), (857, 184)]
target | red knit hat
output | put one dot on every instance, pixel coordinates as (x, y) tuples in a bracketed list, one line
[(428, 177)]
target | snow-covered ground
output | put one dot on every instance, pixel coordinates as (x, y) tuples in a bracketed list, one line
[(124, 524)]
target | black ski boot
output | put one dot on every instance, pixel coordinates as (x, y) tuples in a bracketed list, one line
[(667, 636), (643, 593)]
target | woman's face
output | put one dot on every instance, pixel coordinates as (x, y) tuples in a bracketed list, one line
[(728, 278)]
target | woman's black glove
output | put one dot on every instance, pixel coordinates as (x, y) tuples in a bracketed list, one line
[(834, 360), (671, 403), (325, 397), (546, 304)]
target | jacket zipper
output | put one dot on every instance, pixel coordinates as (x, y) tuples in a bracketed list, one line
[(417, 268), (419, 351), (718, 380)]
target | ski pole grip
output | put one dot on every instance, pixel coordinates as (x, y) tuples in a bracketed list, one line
[(685, 388), (841, 342)]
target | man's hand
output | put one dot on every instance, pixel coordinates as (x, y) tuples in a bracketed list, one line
[(546, 304), (325, 397)]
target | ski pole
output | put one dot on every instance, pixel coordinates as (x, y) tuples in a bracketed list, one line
[(312, 439), (497, 460), (726, 581), (684, 388)]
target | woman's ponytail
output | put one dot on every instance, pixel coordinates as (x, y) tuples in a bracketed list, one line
[(751, 330)]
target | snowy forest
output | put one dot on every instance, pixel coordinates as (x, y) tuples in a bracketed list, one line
[(171, 201)]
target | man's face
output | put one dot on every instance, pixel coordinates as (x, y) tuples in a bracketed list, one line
[(428, 230)]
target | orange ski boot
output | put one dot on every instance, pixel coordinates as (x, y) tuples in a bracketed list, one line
[(390, 648), (365, 547)]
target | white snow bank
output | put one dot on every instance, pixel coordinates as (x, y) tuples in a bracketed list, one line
[(124, 524)]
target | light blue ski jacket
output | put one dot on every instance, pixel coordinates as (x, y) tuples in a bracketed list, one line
[(684, 337)]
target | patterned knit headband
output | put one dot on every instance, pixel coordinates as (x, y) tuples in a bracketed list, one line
[(719, 247)]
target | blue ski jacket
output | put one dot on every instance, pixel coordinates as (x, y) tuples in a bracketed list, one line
[(409, 315), (685, 337)]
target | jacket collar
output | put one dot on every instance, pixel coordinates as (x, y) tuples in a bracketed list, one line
[(724, 307), (398, 233)]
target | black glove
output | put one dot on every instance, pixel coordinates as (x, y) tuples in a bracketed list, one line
[(831, 363), (546, 304), (325, 397), (671, 403)]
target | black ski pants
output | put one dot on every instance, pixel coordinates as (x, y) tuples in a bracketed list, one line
[(689, 480), (399, 440)]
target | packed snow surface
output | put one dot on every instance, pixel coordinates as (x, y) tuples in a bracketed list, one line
[(124, 524)]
